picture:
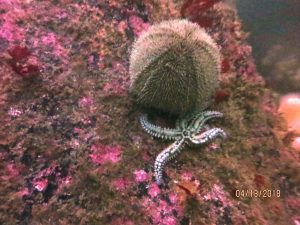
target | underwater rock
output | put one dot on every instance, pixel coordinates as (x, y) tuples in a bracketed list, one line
[(174, 67)]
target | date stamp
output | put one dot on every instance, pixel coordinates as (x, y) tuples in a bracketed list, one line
[(255, 193)]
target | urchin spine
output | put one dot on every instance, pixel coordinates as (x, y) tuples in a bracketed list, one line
[(174, 67)]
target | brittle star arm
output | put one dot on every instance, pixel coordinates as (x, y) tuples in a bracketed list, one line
[(183, 123), (197, 120), (208, 136), (156, 131), (165, 156), (200, 119)]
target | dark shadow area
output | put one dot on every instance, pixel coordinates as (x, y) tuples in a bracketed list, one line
[(274, 27)]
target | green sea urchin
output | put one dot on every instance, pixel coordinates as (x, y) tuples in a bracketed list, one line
[(174, 67)]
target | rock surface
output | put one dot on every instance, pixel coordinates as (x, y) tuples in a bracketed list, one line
[(71, 148)]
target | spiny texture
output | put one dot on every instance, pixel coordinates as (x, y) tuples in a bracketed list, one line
[(174, 67)]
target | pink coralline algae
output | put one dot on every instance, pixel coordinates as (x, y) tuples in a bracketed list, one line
[(154, 190), (217, 194), (162, 212), (11, 31), (118, 85), (11, 172), (12, 12), (40, 181), (64, 183), (169, 220), (120, 184), (105, 153), (115, 87), (49, 39), (14, 112), (141, 176), (96, 61), (59, 50), (40, 184), (122, 26), (86, 101), (23, 192), (187, 175), (138, 25), (173, 198), (53, 44)]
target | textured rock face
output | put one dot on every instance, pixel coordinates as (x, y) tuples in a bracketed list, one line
[(73, 152), (174, 67)]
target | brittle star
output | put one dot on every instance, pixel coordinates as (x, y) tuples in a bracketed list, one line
[(187, 131)]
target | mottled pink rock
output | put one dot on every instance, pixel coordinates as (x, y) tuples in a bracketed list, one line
[(23, 192), (141, 176), (122, 26), (41, 184), (120, 184), (154, 190), (105, 153), (11, 171), (53, 41), (169, 220), (115, 87), (14, 112), (138, 25), (187, 175), (66, 181), (49, 39), (217, 194), (75, 143), (40, 181), (86, 101), (173, 198), (11, 32), (161, 212)]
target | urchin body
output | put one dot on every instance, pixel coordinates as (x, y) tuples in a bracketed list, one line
[(174, 68), (189, 130)]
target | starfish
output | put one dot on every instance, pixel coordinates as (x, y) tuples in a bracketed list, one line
[(187, 131)]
